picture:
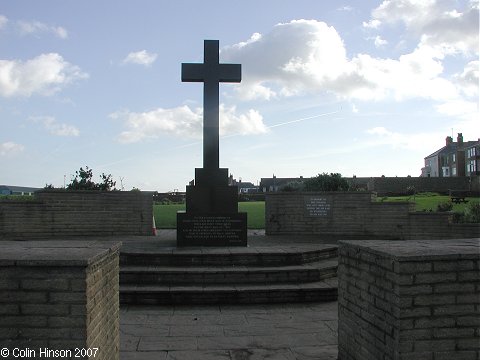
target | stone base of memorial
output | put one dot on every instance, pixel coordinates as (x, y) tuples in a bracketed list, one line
[(59, 299), (211, 217)]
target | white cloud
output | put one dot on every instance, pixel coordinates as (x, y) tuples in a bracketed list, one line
[(434, 21), (231, 123), (37, 27), (310, 56), (380, 130), (142, 57), (372, 24), (294, 57), (55, 128), (422, 142), (3, 21), (45, 74), (413, 75), (379, 41), (345, 8), (10, 148), (185, 122), (468, 80), (466, 111)]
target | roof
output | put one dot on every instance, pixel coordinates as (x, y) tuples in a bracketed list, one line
[(17, 189), (267, 182), (451, 148), (471, 143), (245, 185), (448, 149)]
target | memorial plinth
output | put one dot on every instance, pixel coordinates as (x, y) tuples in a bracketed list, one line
[(211, 217)]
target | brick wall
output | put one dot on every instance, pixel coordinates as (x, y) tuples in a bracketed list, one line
[(77, 213), (409, 300), (59, 297), (356, 215)]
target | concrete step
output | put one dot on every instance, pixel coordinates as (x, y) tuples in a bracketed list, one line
[(326, 290), (202, 275), (258, 256)]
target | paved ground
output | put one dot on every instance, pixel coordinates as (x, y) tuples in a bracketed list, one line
[(234, 332), (240, 332)]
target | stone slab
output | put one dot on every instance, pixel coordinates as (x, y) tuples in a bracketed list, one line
[(55, 253), (420, 249)]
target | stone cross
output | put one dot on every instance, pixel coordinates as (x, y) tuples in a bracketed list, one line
[(211, 73)]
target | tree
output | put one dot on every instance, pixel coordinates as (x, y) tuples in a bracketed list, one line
[(293, 186), (83, 181), (327, 182)]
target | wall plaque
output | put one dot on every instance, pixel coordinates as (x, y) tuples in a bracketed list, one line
[(318, 206)]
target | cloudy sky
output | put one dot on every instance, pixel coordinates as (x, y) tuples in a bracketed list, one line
[(365, 88)]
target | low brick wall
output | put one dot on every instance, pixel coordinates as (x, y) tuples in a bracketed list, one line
[(59, 296), (54, 214), (357, 215), (409, 300)]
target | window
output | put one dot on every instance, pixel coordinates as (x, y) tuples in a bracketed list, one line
[(453, 158), (472, 166), (454, 171)]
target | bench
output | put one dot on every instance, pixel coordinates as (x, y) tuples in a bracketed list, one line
[(458, 196)]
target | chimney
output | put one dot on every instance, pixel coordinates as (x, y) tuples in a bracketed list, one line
[(448, 140), (460, 139)]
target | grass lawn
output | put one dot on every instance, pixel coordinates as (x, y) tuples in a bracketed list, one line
[(429, 201), (166, 215)]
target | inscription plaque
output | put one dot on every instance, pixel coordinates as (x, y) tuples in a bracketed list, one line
[(318, 206), (208, 230)]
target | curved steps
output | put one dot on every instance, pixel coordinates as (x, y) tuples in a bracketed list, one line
[(228, 256), (229, 275)]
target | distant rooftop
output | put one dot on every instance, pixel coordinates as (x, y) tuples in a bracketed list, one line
[(17, 190)]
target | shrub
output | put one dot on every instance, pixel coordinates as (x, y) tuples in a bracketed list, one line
[(472, 213), (445, 206), (326, 182), (411, 190)]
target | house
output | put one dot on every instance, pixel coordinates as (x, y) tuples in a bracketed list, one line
[(472, 159), (243, 187), (17, 190), (451, 160), (275, 184)]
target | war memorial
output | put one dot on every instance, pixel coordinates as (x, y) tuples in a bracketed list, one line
[(335, 275)]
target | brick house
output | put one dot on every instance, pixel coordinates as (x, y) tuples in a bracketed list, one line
[(472, 159), (451, 160)]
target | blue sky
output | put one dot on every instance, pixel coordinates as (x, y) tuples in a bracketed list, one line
[(365, 88)]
